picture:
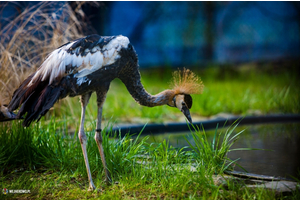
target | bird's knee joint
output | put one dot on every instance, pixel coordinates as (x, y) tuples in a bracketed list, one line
[(82, 137)]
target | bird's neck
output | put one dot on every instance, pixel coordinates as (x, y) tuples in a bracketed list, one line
[(163, 98), (132, 81), (130, 76)]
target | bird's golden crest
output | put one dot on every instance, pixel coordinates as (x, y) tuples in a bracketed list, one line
[(186, 82)]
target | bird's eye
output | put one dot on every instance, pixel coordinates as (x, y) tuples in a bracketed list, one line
[(188, 100), (129, 46)]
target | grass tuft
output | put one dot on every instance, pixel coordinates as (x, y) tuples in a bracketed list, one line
[(213, 154)]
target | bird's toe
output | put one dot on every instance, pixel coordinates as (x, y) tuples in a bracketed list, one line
[(92, 187)]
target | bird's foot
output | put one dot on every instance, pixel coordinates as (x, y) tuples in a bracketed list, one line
[(108, 181), (107, 178), (94, 189), (91, 187)]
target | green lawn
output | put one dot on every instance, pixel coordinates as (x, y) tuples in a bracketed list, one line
[(49, 163), (46, 160)]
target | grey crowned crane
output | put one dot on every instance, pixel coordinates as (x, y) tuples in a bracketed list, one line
[(88, 65)]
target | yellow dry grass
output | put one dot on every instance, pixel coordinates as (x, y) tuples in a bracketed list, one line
[(28, 38)]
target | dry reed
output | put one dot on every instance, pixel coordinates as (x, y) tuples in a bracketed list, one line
[(28, 38)]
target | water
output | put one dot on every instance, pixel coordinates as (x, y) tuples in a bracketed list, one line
[(282, 157)]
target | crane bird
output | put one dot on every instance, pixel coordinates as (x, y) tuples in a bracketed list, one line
[(88, 65)]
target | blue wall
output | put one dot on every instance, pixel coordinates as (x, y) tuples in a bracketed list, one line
[(194, 33), (175, 33)]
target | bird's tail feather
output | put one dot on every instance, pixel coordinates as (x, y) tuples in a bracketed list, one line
[(35, 99)]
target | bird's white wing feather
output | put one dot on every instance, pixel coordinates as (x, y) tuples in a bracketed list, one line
[(80, 64)]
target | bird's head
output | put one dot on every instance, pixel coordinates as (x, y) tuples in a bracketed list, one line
[(184, 103), (184, 84)]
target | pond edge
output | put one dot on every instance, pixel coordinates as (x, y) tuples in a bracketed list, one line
[(206, 124)]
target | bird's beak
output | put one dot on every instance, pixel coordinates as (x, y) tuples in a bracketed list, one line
[(182, 106), (186, 113)]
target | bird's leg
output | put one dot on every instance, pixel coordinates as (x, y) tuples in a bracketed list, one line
[(101, 95), (82, 138), (99, 140)]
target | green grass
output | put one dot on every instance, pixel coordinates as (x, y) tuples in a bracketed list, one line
[(47, 161), (46, 157)]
